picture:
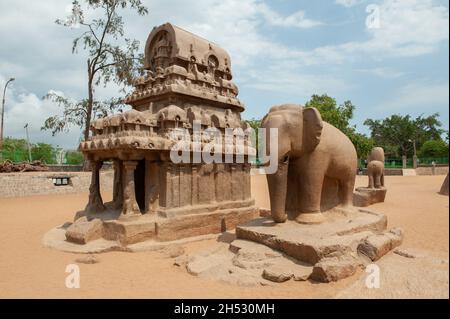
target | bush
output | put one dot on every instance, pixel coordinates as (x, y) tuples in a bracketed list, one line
[(44, 152), (74, 158), (434, 148)]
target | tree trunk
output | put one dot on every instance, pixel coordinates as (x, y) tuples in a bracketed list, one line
[(88, 111), (90, 102)]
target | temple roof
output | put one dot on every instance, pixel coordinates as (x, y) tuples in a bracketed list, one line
[(185, 45)]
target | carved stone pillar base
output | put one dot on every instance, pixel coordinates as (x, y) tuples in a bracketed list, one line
[(117, 186), (95, 203), (130, 206)]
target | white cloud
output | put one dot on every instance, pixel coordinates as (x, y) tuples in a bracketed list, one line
[(282, 77), (236, 26), (382, 72), (348, 3), (22, 108), (418, 96), (296, 19), (407, 28)]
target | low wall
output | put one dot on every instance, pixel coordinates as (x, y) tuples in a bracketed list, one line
[(388, 171), (429, 170), (40, 183), (72, 168)]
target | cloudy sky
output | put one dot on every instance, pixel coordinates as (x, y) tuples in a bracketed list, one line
[(282, 51)]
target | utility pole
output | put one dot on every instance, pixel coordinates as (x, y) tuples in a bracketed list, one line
[(28, 142), (3, 112)]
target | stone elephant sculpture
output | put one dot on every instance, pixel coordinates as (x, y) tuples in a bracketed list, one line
[(311, 153), (375, 167), (376, 154), (375, 171)]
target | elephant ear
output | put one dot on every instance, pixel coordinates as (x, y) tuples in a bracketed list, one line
[(312, 128)]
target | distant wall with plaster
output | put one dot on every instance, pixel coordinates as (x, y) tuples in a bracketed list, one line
[(40, 183)]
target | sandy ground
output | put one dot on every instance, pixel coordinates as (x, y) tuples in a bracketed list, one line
[(28, 270)]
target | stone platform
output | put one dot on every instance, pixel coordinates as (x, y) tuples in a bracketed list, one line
[(109, 232), (335, 249), (365, 196)]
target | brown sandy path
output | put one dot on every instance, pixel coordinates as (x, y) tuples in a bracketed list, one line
[(28, 270)]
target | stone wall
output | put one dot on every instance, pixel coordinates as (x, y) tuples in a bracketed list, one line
[(429, 170), (387, 171), (72, 168), (40, 183)]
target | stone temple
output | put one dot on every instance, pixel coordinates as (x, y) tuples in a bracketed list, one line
[(187, 84)]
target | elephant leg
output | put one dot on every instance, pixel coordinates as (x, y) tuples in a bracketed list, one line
[(370, 180), (377, 181), (311, 192), (382, 179), (346, 192)]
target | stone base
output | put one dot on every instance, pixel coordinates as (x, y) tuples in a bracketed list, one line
[(444, 187), (108, 227), (336, 248), (364, 196)]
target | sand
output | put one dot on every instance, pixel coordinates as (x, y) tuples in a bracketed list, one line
[(29, 270)]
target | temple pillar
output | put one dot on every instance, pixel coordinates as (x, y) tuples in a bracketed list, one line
[(185, 185), (117, 184), (151, 186), (219, 181), (236, 193), (95, 203), (247, 181), (194, 185), (130, 206)]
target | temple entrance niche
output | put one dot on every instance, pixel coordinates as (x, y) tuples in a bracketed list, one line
[(139, 185)]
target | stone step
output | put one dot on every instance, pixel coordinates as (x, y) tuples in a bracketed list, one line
[(409, 172)]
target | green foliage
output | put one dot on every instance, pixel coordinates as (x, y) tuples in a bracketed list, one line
[(255, 124), (400, 132), (13, 144), (75, 112), (363, 144), (111, 58), (74, 158), (16, 150), (340, 116), (44, 152), (434, 148)]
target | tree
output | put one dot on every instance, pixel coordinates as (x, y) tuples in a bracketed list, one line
[(44, 152), (363, 144), (255, 124), (401, 132), (109, 59), (434, 148), (15, 149), (340, 116), (74, 158)]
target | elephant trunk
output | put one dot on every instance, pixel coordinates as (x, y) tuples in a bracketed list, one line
[(277, 190)]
